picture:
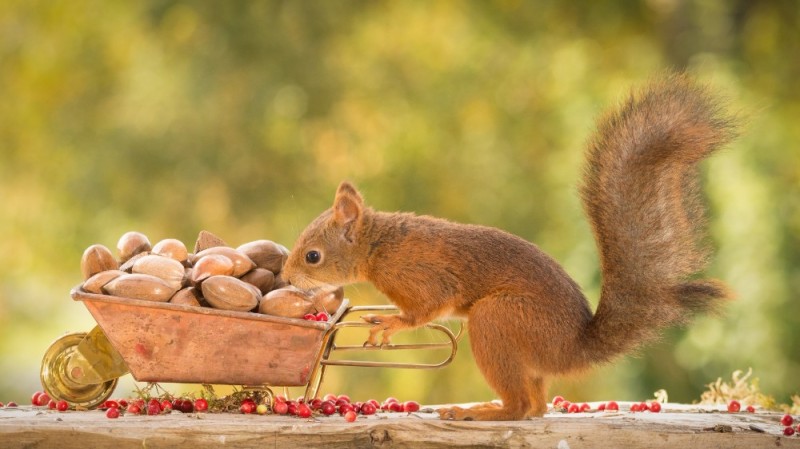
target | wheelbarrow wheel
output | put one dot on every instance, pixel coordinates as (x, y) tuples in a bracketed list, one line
[(58, 382)]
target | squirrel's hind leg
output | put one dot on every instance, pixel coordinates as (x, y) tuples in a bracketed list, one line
[(505, 365)]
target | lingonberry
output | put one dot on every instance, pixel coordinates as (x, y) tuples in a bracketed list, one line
[(122, 403), (112, 413), (153, 407), (601, 407), (411, 406), (52, 404), (327, 408), (134, 409), (787, 420), (346, 407), (564, 405), (322, 316), (788, 431), (11, 404), (35, 398), (557, 400), (1, 404), (574, 408), (303, 411), (329, 397), (62, 406), (396, 407), (187, 406), (734, 406), (612, 407), (343, 397), (310, 317), (350, 416), (280, 408), (368, 408), (111, 404), (201, 405), (585, 407), (751, 409), (247, 407), (292, 407), (375, 403), (655, 407), (635, 408)]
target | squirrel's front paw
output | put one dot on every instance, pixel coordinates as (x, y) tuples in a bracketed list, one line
[(381, 324)]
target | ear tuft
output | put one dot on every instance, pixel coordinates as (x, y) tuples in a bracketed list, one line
[(347, 207)]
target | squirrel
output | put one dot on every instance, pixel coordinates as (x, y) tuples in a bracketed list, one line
[(640, 194)]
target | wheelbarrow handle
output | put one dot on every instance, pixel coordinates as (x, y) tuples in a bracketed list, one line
[(329, 345)]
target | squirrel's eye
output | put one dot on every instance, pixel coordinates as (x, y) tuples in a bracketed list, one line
[(313, 257)]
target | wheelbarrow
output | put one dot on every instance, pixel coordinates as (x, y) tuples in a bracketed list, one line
[(164, 342)]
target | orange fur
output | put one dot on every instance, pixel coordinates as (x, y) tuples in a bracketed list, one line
[(639, 196)]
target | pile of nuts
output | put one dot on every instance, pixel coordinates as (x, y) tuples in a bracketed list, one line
[(246, 278)]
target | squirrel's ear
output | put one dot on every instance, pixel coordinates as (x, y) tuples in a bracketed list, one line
[(347, 208)]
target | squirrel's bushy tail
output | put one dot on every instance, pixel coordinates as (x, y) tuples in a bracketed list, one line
[(640, 194)]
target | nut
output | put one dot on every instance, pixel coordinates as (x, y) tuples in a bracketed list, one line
[(139, 286), (327, 299), (95, 283), (262, 278), (162, 267), (288, 302), (230, 293), (132, 243), (266, 254), (172, 248), (207, 240), (211, 265), (95, 259), (188, 296), (241, 263)]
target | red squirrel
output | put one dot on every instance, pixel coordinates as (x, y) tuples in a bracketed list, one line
[(640, 195)]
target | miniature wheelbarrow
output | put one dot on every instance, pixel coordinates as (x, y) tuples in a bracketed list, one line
[(164, 342)]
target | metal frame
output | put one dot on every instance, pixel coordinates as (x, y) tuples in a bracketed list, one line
[(328, 346)]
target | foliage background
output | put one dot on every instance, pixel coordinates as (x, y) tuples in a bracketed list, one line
[(241, 118)]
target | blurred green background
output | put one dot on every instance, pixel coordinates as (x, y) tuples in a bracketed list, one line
[(242, 117)]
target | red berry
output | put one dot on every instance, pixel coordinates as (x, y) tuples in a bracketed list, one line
[(350, 416), (751, 409), (734, 406), (112, 413), (187, 406), (343, 397), (655, 407), (411, 406), (316, 404), (327, 408), (574, 408), (396, 407), (322, 316), (787, 420), (247, 407), (153, 408), (390, 399), (62, 406), (612, 407), (111, 404), (292, 408), (346, 407), (123, 403), (368, 408), (585, 407), (35, 398), (303, 411), (201, 405), (280, 408), (11, 404), (788, 431), (1, 404), (310, 317), (375, 403), (134, 409), (634, 407), (564, 405), (557, 400)]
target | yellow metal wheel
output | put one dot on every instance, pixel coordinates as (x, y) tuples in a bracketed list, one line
[(61, 385)]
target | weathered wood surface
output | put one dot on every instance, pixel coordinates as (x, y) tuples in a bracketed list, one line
[(676, 427)]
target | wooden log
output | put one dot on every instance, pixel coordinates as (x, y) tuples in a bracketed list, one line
[(675, 427)]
